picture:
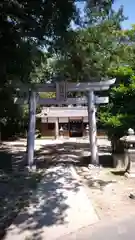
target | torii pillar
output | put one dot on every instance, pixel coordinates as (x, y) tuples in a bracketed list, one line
[(90, 88), (92, 127), (31, 128)]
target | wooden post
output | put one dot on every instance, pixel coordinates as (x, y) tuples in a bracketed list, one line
[(31, 128), (92, 128)]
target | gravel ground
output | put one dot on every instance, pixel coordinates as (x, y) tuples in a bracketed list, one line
[(109, 191)]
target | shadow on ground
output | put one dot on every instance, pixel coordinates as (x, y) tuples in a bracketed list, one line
[(119, 173), (48, 205), (16, 184), (71, 153)]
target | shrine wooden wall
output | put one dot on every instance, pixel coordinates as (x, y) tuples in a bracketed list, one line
[(43, 127)]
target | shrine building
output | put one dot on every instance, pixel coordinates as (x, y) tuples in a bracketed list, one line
[(72, 121)]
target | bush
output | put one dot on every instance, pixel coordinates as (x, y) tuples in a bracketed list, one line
[(119, 114)]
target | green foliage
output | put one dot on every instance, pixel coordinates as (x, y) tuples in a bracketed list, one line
[(98, 13), (47, 95), (41, 69), (26, 28), (122, 72), (119, 114), (95, 48), (12, 116)]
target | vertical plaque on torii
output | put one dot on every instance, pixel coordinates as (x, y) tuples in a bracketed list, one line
[(61, 90)]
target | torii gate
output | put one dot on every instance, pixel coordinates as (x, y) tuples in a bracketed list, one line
[(61, 88)]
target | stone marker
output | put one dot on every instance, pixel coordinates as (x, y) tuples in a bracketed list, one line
[(129, 152)]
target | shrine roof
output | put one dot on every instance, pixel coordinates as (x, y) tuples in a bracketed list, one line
[(63, 112)]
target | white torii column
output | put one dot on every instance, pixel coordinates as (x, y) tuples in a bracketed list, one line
[(56, 128), (31, 128), (92, 128)]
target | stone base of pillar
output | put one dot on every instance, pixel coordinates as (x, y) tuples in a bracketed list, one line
[(33, 168), (120, 160), (129, 149), (131, 164), (130, 175), (57, 137)]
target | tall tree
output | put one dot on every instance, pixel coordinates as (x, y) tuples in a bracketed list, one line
[(119, 115), (26, 24), (23, 25), (26, 27), (99, 11), (91, 50)]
